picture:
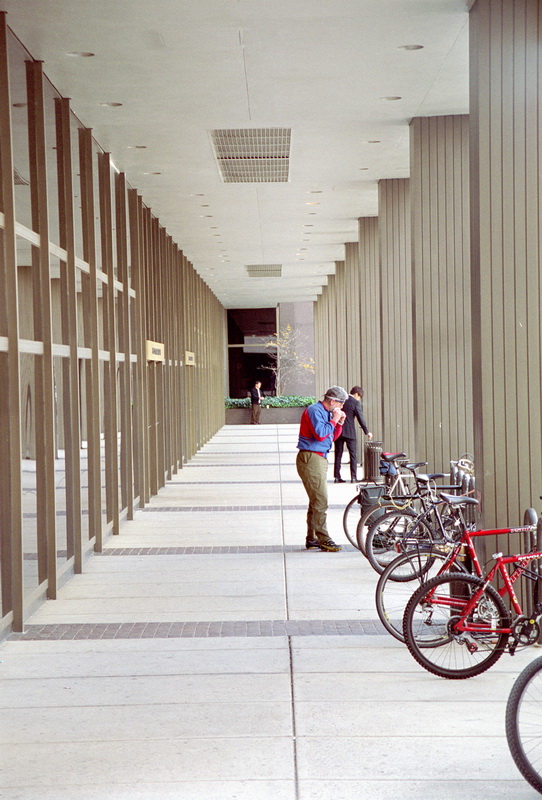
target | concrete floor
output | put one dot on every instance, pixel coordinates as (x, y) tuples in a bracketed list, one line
[(207, 656)]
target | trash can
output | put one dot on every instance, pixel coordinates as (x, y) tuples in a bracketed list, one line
[(371, 461)]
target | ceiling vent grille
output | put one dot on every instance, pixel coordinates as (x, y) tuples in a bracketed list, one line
[(253, 155), (264, 270)]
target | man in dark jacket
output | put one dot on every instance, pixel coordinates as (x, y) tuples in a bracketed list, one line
[(353, 411), (255, 403)]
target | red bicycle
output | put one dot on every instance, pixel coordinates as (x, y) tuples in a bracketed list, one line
[(456, 625), (420, 562)]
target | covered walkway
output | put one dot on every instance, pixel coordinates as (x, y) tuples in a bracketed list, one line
[(205, 655)]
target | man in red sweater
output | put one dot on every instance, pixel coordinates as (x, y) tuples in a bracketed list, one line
[(321, 423)]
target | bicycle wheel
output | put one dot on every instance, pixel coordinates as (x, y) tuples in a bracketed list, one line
[(372, 515), (395, 533), (356, 514), (434, 610), (351, 516), (401, 578), (524, 723)]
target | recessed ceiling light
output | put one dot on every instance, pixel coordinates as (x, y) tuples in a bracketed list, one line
[(372, 141), (137, 147), (110, 105), (364, 169), (315, 191), (313, 203), (411, 47), (308, 225), (152, 173), (391, 97), (81, 54)]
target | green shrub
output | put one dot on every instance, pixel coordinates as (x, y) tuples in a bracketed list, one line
[(292, 401)]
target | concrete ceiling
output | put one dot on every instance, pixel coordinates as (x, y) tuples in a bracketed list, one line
[(326, 69)]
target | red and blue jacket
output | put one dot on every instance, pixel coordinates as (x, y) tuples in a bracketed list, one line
[(317, 432)]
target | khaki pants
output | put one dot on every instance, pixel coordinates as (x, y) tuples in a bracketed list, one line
[(255, 416), (312, 469)]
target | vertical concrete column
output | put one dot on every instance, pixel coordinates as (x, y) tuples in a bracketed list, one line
[(396, 316), (340, 343), (442, 358), (322, 357), (506, 191), (352, 312), (331, 344), (370, 328)]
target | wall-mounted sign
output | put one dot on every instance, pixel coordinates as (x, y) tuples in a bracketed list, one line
[(155, 351), (189, 358)]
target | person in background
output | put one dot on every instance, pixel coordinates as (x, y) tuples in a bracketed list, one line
[(352, 409), (321, 423), (255, 403)]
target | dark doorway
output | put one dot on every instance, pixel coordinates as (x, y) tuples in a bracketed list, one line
[(248, 330)]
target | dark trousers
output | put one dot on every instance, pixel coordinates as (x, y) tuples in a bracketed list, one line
[(255, 416), (339, 446)]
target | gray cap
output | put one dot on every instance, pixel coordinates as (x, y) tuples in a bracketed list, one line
[(337, 393)]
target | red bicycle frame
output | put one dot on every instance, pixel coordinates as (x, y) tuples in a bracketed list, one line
[(468, 605)]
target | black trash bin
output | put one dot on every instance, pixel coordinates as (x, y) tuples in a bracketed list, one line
[(371, 461)]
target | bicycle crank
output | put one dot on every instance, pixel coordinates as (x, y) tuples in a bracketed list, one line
[(525, 631)]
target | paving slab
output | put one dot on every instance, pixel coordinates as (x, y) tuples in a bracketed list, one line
[(206, 655)]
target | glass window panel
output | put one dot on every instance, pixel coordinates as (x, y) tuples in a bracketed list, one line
[(120, 438), (77, 216), (19, 113), (25, 289), (5, 528), (114, 266), (29, 473), (96, 151), (49, 95), (128, 238), (60, 461), (83, 411), (103, 366), (56, 301)]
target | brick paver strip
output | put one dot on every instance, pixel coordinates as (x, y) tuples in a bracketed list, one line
[(200, 630), (221, 509), (218, 550)]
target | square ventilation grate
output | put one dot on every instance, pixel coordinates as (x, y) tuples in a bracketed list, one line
[(253, 155), (264, 270)]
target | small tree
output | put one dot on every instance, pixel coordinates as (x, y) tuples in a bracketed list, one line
[(291, 364)]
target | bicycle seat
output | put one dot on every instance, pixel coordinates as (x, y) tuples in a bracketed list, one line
[(458, 499), (416, 465), (392, 456), (434, 475)]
